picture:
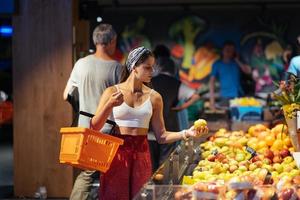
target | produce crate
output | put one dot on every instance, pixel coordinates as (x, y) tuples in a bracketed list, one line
[(246, 113), (88, 149)]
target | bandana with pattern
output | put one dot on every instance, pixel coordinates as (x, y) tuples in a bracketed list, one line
[(134, 56)]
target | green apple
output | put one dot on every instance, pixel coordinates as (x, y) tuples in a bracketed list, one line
[(294, 172), (278, 167), (268, 167), (275, 173), (288, 168), (224, 149), (242, 168), (252, 166), (240, 157), (288, 159), (199, 175)]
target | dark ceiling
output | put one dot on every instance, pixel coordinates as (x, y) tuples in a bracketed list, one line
[(184, 2)]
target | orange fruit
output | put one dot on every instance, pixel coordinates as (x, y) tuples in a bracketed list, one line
[(269, 140)]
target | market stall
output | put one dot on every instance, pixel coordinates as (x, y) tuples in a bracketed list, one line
[(229, 165), (258, 160)]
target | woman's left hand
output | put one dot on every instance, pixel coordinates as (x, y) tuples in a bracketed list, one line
[(193, 132)]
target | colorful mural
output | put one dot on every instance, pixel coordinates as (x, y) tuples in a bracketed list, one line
[(131, 37), (196, 62), (265, 53), (197, 46)]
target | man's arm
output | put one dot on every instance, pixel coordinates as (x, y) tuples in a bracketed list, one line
[(244, 67), (67, 90), (72, 82)]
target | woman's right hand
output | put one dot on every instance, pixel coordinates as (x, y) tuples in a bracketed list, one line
[(116, 99)]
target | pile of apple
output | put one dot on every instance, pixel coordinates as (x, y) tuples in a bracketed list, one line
[(258, 154)]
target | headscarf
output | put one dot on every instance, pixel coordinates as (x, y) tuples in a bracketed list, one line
[(134, 56)]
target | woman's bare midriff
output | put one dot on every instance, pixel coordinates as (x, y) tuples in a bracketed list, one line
[(133, 131)]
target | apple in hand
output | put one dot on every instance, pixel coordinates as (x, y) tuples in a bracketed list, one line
[(200, 123)]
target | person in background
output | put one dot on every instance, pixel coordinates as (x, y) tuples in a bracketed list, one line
[(227, 71), (171, 90), (133, 106), (294, 67), (92, 75)]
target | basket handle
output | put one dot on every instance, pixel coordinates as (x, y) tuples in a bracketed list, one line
[(114, 124)]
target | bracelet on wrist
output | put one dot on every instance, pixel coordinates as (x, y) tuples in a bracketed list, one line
[(184, 135)]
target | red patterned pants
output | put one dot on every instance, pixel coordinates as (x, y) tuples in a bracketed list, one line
[(129, 171)]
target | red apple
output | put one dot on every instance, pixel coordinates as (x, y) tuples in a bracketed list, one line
[(269, 154), (211, 158), (284, 153), (277, 159), (255, 158), (224, 161), (220, 157)]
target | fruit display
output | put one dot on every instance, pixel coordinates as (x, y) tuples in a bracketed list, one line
[(203, 191), (252, 164), (245, 101)]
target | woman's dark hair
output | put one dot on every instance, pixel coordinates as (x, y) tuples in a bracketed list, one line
[(125, 72)]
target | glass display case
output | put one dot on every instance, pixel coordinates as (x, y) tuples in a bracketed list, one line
[(165, 182)]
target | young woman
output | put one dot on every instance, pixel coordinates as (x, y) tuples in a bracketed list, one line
[(133, 105)]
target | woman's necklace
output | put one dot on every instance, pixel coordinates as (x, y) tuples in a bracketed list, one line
[(138, 96)]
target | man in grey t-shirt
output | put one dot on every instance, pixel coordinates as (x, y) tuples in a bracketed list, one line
[(92, 75)]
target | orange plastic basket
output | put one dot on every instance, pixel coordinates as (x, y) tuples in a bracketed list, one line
[(6, 112), (88, 149)]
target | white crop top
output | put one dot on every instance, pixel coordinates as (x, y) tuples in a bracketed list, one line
[(127, 116)]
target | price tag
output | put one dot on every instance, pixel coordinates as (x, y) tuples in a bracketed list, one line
[(268, 178), (214, 152), (251, 151)]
